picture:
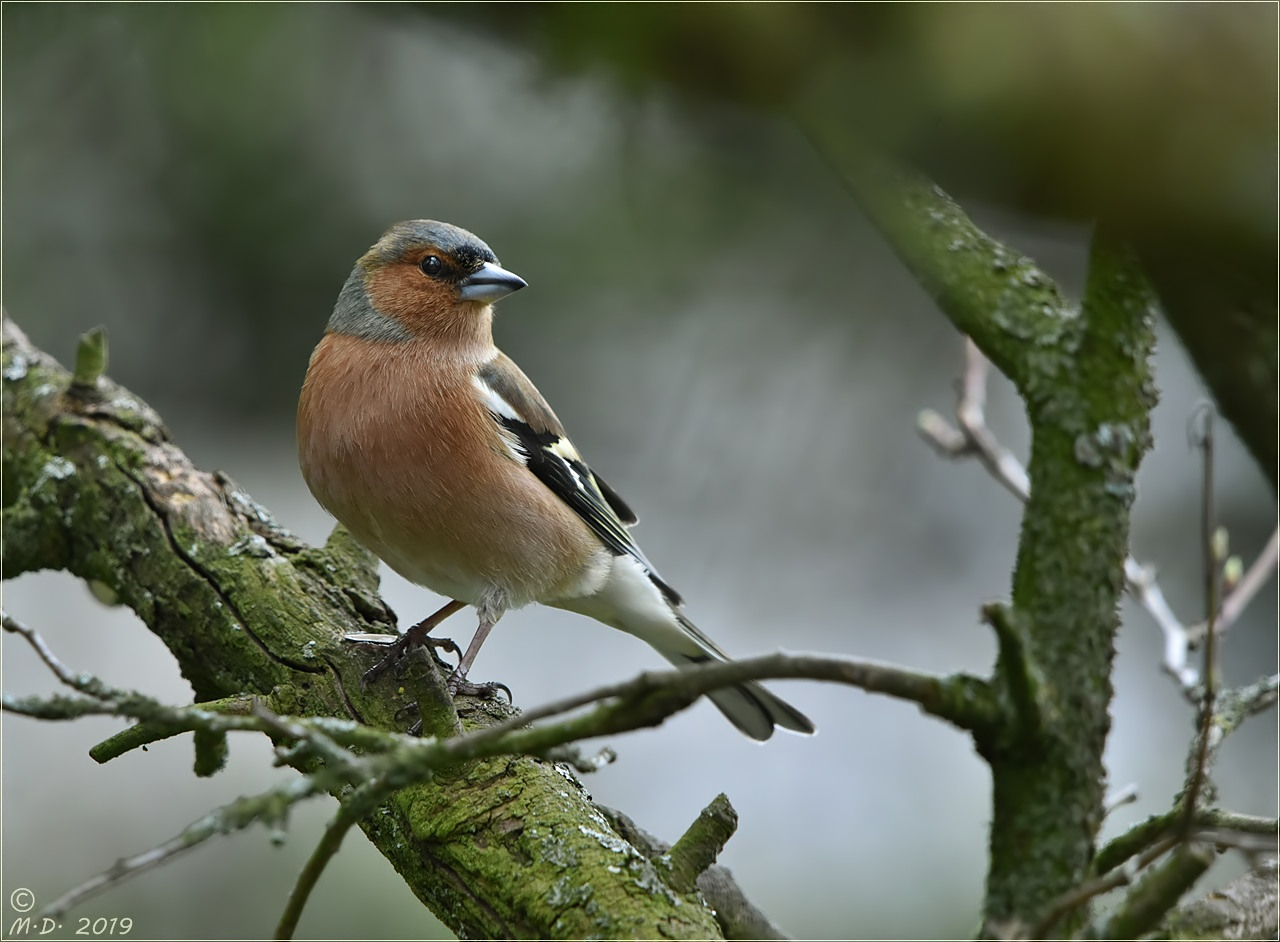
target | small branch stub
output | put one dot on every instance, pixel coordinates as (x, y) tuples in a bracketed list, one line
[(1015, 668), (91, 361), (699, 846)]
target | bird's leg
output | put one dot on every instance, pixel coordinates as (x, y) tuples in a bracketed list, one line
[(417, 635), (457, 682), (490, 608)]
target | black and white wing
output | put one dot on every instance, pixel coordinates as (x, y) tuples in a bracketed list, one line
[(539, 441)]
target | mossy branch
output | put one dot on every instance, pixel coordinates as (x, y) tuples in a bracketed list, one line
[(1159, 891), (701, 843), (1084, 374)]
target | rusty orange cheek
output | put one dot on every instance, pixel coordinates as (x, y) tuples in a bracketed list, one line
[(403, 292)]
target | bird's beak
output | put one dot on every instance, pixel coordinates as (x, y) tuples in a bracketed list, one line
[(489, 283)]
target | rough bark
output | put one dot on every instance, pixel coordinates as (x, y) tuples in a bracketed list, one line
[(1084, 375)]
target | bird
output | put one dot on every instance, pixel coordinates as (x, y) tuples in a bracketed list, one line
[(438, 454)]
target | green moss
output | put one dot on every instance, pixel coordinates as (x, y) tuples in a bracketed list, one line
[(1087, 442)]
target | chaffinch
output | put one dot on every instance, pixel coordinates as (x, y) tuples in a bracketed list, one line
[(437, 453)]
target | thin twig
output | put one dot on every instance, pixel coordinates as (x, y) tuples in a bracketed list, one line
[(237, 815), (1242, 702), (56, 707), (1238, 599), (393, 761), (1238, 840), (1251, 835), (325, 850), (1146, 833), (971, 437), (325, 736), (572, 755), (966, 701), (1212, 560), (960, 699), (60, 670), (971, 414), (1125, 796), (975, 438), (338, 758), (1141, 583)]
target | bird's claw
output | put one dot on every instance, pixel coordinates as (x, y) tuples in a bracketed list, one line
[(459, 685), (399, 648), (410, 709), (400, 645)]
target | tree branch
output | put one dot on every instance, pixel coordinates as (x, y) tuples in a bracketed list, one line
[(1146, 834), (701, 843), (972, 438), (646, 700), (991, 292), (1159, 891), (1085, 378), (1244, 909), (1251, 581)]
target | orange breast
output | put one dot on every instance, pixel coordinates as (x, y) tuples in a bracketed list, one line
[(393, 442)]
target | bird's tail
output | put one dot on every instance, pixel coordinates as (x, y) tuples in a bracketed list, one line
[(748, 706), (634, 600)]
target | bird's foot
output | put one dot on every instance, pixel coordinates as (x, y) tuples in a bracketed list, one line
[(458, 684), (399, 647), (418, 635)]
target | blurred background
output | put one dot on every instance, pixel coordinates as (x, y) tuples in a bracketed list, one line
[(727, 340)]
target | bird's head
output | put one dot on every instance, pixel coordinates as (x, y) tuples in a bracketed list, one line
[(423, 279)]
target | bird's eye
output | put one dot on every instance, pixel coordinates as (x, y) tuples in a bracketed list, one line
[(431, 265)]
